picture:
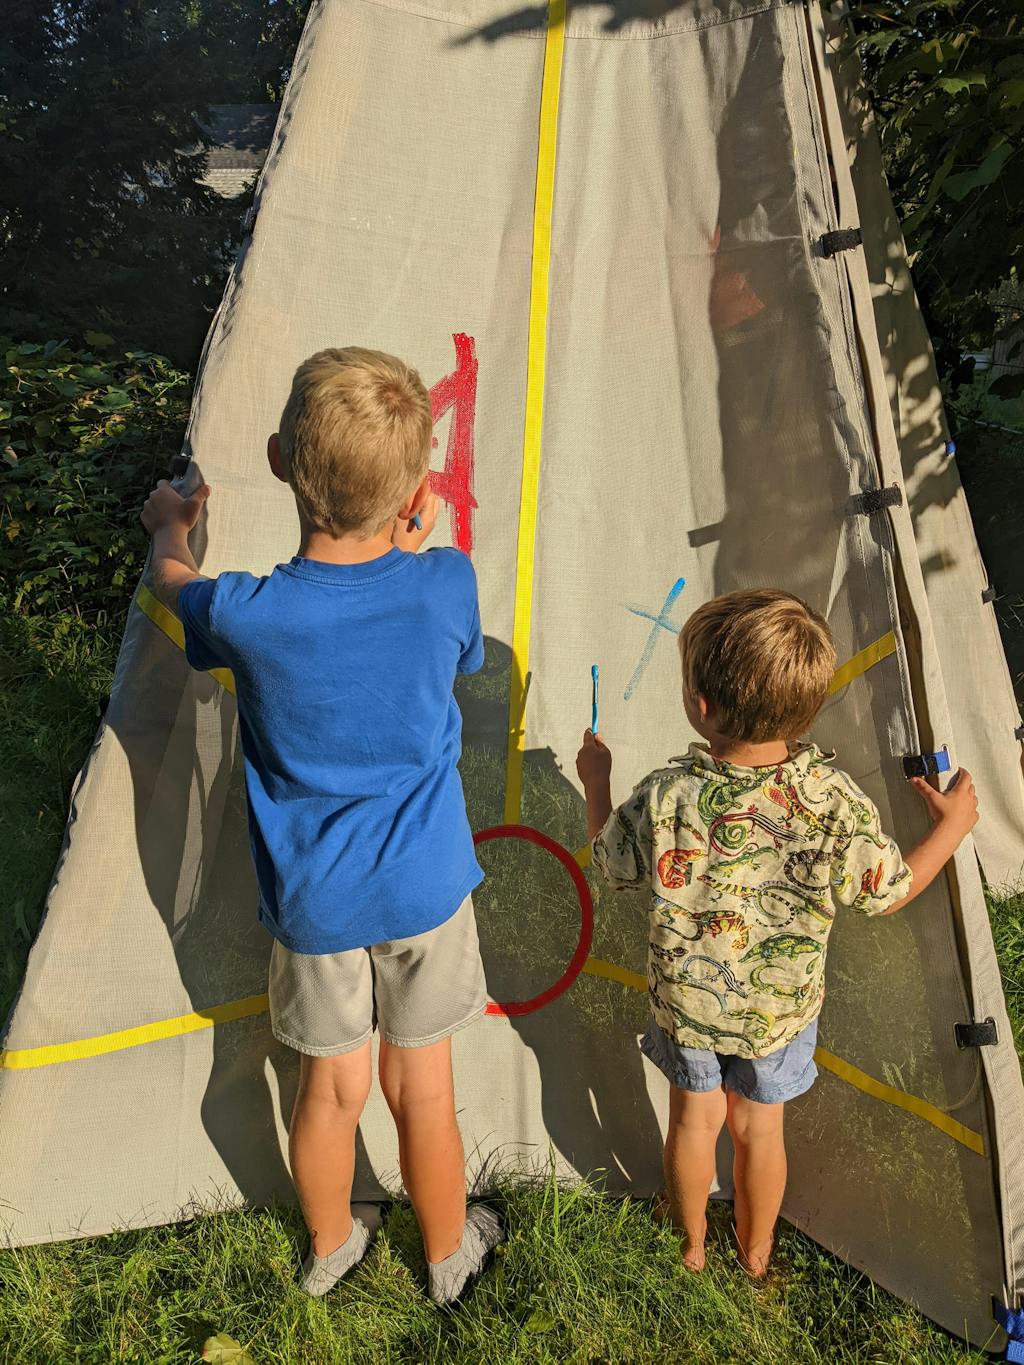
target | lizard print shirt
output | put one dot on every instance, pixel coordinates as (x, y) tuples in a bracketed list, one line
[(746, 867)]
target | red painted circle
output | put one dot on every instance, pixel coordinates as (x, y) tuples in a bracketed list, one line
[(534, 836)]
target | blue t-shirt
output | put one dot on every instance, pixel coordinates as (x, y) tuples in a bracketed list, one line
[(351, 736)]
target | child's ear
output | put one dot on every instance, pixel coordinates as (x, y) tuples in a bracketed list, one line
[(416, 501), (274, 458), (704, 708)]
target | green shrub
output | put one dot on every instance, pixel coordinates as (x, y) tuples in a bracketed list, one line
[(84, 434)]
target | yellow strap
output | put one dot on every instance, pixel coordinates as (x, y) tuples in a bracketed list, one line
[(170, 625), (862, 661), (532, 430), (26, 1059), (611, 971), (889, 1095)]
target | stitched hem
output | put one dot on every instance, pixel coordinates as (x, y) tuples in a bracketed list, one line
[(308, 1051), (779, 1094), (434, 1037), (673, 1074)]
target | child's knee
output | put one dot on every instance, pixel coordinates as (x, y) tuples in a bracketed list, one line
[(697, 1111), (416, 1078), (342, 1081), (751, 1122)]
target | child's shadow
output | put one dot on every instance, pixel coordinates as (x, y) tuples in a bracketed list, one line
[(594, 1097)]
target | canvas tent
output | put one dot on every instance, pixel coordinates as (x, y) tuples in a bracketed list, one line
[(621, 247)]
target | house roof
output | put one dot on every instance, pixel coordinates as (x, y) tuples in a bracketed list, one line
[(240, 135)]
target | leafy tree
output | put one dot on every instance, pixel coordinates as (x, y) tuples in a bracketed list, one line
[(84, 435), (947, 77), (103, 219)]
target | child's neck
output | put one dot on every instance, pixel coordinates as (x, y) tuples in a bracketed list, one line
[(346, 549), (745, 755)]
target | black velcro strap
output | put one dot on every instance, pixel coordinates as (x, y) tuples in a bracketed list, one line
[(845, 239), (989, 595), (979, 1034), (926, 765), (179, 466), (875, 499)]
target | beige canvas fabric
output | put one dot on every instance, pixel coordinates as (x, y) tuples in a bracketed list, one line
[(966, 631), (714, 403)]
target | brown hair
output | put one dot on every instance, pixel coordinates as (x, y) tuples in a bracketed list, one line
[(762, 658), (355, 438)]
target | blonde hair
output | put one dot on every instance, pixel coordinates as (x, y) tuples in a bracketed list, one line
[(355, 438), (762, 658)]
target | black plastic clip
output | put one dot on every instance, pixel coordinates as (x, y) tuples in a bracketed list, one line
[(980, 1033), (989, 595), (845, 239), (1018, 734), (179, 466), (875, 499), (925, 765)]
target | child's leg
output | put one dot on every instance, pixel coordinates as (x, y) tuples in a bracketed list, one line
[(759, 1174), (758, 1091), (321, 1142), (417, 1084), (695, 1120)]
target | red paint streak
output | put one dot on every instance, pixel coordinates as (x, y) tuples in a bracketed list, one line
[(579, 881), (454, 483)]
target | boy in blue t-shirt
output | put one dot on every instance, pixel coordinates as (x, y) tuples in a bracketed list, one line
[(344, 662)]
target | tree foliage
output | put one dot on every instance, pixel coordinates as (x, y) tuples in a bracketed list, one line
[(84, 435), (947, 78), (104, 221)]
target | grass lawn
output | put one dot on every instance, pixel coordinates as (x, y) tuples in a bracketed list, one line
[(584, 1278)]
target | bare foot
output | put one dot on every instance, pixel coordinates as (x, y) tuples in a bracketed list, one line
[(694, 1257), (756, 1259)]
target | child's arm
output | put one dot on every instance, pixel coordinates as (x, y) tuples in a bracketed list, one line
[(168, 517), (594, 765), (954, 814)]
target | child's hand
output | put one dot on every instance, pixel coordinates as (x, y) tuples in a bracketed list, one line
[(405, 535), (165, 508), (956, 807), (594, 760)]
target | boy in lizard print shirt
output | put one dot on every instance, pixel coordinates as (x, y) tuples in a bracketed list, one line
[(749, 843)]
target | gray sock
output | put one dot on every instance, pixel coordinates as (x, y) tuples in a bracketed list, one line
[(321, 1273), (448, 1279)]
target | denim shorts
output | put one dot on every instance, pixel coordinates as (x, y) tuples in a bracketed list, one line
[(780, 1076)]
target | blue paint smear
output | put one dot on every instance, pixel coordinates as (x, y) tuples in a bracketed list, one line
[(661, 622)]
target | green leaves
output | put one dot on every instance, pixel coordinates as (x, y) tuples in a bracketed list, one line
[(959, 186), (947, 81), (81, 443), (953, 85)]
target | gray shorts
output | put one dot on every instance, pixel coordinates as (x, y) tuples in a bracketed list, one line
[(415, 990), (780, 1076)]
